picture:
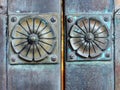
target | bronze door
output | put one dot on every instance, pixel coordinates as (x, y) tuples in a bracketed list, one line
[(59, 44)]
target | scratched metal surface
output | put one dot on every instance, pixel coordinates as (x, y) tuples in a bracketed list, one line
[(33, 6), (2, 52), (89, 6), (117, 51), (89, 76)]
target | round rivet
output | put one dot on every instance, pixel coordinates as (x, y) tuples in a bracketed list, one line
[(71, 56), (13, 59), (107, 55), (89, 37), (52, 20), (106, 19), (13, 19), (1, 7), (70, 20), (33, 38), (53, 58)]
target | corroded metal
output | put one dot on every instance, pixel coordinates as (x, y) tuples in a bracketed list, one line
[(29, 73), (89, 76), (89, 67), (72, 56), (89, 6)]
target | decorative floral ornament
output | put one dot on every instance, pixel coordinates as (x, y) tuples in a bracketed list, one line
[(33, 39), (89, 37)]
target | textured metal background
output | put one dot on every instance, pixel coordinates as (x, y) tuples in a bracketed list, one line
[(89, 76), (88, 6), (33, 77), (33, 6)]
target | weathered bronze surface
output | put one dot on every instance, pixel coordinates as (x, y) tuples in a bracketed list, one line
[(78, 39), (89, 6), (26, 72), (85, 68), (89, 60), (22, 33), (33, 6), (89, 76), (3, 78)]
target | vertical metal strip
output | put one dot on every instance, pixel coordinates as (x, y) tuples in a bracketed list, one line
[(63, 48)]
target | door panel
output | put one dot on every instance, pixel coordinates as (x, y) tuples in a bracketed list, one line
[(89, 46), (34, 45), (30, 53)]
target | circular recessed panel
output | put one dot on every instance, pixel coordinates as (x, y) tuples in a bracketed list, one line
[(89, 37), (33, 39)]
